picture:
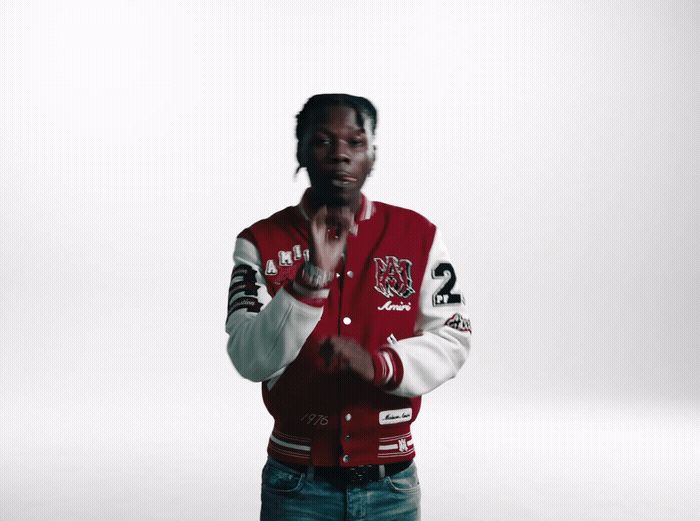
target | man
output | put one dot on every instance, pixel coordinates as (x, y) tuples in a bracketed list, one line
[(347, 311)]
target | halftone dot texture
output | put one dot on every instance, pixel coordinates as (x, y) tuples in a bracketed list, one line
[(554, 144)]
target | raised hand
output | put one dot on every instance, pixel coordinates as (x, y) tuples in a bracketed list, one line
[(329, 229)]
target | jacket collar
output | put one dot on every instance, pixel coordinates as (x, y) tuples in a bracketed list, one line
[(365, 212)]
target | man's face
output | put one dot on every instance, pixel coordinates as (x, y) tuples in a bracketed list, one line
[(339, 157)]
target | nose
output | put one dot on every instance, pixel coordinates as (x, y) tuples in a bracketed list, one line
[(340, 151)]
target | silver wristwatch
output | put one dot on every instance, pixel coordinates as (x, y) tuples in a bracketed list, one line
[(315, 277)]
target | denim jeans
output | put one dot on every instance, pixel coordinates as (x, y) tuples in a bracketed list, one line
[(290, 495)]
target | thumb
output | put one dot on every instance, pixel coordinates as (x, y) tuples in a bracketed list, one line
[(320, 215)]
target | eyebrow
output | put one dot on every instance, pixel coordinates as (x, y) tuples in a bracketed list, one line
[(328, 131)]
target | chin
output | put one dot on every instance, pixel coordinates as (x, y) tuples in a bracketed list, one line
[(336, 200), (339, 201)]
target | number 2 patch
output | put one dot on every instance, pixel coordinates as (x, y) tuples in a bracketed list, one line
[(444, 296)]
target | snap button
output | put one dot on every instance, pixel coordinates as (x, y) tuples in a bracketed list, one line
[(347, 436), (348, 417), (346, 458), (347, 321), (350, 274)]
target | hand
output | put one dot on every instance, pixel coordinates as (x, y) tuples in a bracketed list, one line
[(329, 233), (344, 354)]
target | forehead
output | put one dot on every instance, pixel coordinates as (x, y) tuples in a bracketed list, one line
[(339, 118)]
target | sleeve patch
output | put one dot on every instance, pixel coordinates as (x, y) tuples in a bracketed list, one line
[(459, 323), (243, 291), (247, 303), (444, 295)]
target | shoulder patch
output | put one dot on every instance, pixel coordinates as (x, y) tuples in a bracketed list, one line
[(444, 295), (459, 323)]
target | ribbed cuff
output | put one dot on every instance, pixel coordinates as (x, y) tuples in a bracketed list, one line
[(388, 369), (312, 297)]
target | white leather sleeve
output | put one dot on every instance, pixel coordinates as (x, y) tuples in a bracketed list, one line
[(265, 333), (436, 354)]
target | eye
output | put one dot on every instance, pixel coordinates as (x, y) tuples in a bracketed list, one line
[(322, 141), (357, 142)]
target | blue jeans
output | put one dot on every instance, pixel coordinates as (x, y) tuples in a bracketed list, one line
[(290, 495)]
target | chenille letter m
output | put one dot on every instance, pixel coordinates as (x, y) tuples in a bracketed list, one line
[(393, 277)]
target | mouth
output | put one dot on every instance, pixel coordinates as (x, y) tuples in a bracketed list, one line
[(343, 180)]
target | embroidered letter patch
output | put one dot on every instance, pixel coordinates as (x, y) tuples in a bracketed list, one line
[(393, 277), (395, 416)]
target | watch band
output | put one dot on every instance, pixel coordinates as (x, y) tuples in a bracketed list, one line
[(315, 277)]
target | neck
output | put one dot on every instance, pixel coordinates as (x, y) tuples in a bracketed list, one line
[(315, 202)]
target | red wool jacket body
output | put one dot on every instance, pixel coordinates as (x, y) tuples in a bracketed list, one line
[(395, 293)]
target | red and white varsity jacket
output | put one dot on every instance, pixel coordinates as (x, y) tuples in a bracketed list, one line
[(395, 294)]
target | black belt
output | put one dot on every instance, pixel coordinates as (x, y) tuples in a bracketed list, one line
[(343, 477)]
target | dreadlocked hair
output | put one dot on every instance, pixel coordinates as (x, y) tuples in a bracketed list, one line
[(313, 111)]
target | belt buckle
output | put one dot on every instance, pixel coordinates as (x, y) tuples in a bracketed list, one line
[(358, 475)]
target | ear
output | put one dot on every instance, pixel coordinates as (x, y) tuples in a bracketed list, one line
[(301, 156), (303, 145), (372, 159)]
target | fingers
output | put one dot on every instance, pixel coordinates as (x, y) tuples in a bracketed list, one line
[(329, 356), (320, 215), (342, 354), (341, 219), (329, 229), (335, 219), (326, 351), (318, 221)]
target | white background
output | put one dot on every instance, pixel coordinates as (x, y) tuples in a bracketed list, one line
[(556, 144)]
